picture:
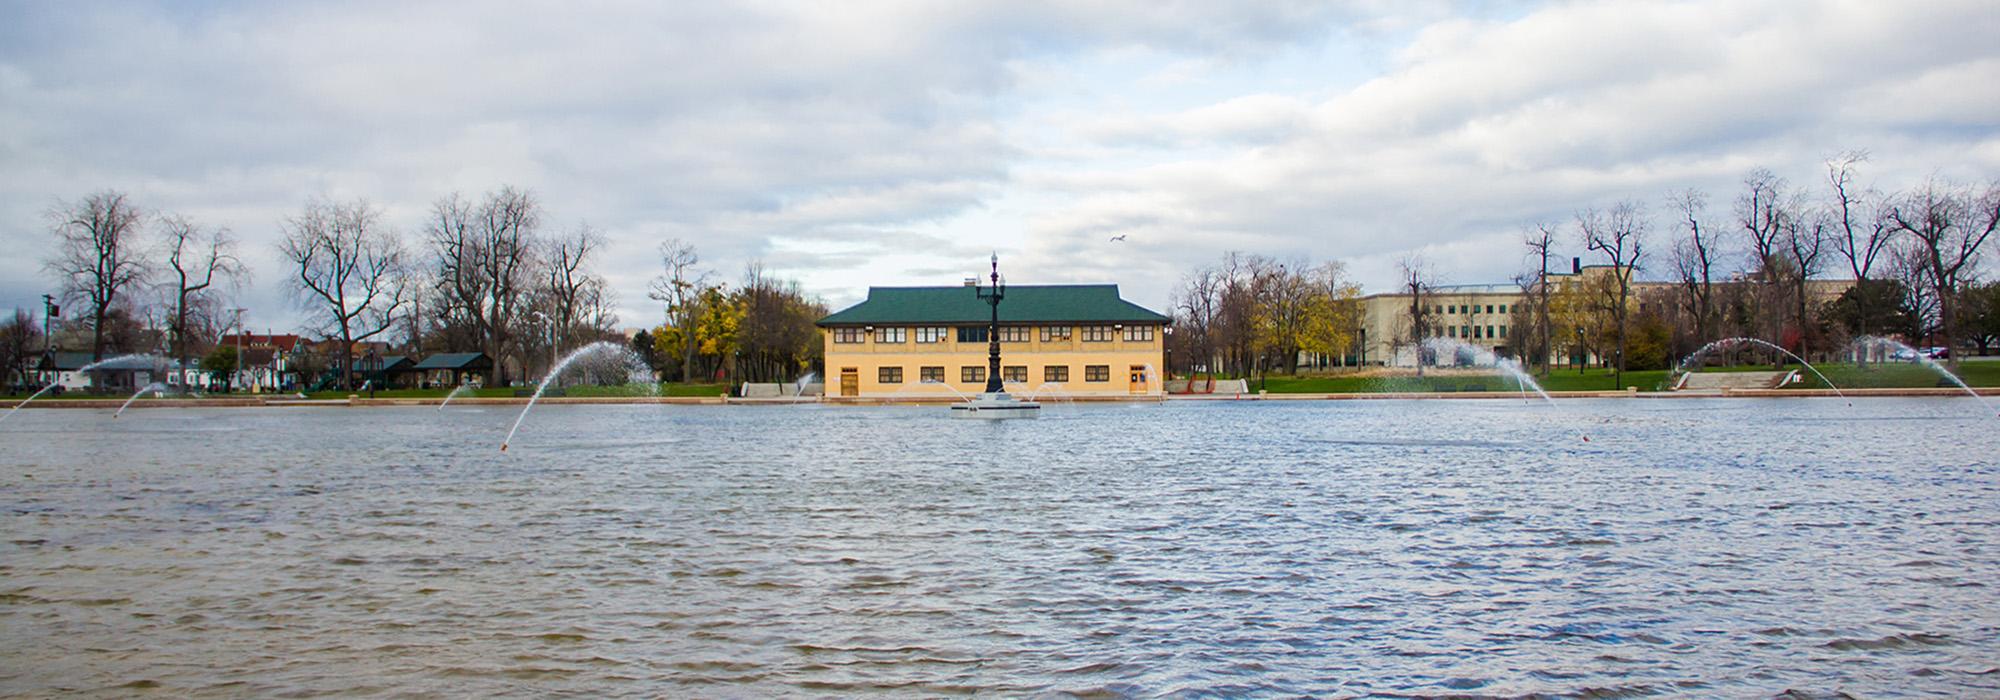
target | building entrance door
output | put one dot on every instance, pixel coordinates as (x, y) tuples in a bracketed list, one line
[(1138, 377), (850, 381)]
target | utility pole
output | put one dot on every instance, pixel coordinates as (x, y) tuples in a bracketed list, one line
[(49, 312), (239, 347)]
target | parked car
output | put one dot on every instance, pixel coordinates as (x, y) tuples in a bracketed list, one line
[(1937, 353)]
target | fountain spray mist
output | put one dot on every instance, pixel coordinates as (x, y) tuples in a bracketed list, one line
[(135, 397), (556, 371), (52, 385), (1682, 367)]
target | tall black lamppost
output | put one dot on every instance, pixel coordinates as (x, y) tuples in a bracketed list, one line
[(993, 294)]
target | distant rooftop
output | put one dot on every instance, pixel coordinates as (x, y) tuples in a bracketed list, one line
[(1060, 303)]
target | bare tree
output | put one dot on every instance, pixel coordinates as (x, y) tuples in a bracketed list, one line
[(483, 264), (1418, 282), (1620, 234), (1541, 247), (350, 276), (1763, 210), (568, 281), (1949, 224), (1199, 300), (97, 255), (1863, 235), (678, 289), (1694, 258), (1804, 240), (197, 259)]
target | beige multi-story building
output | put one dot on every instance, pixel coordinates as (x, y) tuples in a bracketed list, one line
[(1483, 315), (1078, 340)]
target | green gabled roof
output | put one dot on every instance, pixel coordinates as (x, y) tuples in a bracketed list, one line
[(1054, 303), (456, 360)]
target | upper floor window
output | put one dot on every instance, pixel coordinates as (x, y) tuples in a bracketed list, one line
[(890, 335), (1097, 334), (1050, 333), (972, 334), (931, 334), (846, 335), (1139, 333), (1014, 334)]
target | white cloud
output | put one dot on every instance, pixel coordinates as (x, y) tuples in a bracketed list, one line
[(885, 143)]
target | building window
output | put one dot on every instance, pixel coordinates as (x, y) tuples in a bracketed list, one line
[(1055, 373), (1503, 308), (972, 334), (889, 375), (1451, 332), (1013, 334), (931, 334), (1017, 374), (1097, 334), (1489, 332), (1139, 333), (1465, 331), (847, 335), (1097, 373), (1050, 333), (1489, 308), (890, 335), (930, 375), (972, 374), (1451, 309), (1503, 331)]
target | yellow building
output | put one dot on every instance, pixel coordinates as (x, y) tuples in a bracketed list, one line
[(1075, 340)]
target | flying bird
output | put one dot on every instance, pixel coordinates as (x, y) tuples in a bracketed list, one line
[(1117, 238)]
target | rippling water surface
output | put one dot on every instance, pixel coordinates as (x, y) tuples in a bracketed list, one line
[(1691, 547)]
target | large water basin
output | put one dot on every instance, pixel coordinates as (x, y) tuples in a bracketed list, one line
[(1689, 547)]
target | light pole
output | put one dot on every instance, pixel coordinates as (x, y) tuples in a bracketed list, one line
[(993, 295), (233, 378)]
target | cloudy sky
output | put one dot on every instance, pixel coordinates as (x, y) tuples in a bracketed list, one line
[(854, 143)]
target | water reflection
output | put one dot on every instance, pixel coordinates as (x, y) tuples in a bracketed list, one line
[(1699, 548)]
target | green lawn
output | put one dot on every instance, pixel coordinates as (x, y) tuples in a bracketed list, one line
[(668, 389), (1894, 375), (1590, 380), (1902, 375)]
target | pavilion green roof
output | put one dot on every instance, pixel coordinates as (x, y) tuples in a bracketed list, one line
[(1053, 303)]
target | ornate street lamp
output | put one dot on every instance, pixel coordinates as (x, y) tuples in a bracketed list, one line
[(993, 294)]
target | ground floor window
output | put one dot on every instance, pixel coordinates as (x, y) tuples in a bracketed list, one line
[(1017, 374), (931, 374), (1097, 373), (1055, 373), (889, 375), (972, 374)]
